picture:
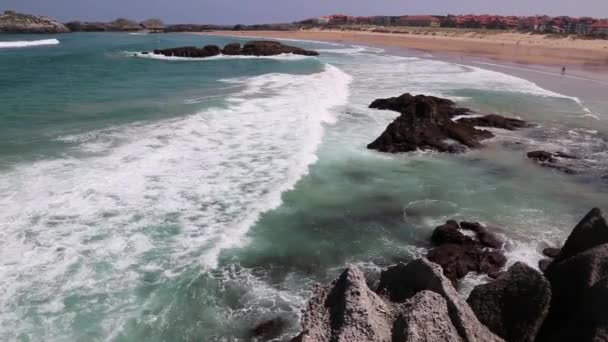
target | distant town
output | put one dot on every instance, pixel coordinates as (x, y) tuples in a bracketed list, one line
[(538, 23)]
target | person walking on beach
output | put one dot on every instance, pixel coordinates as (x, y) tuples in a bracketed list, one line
[(563, 70)]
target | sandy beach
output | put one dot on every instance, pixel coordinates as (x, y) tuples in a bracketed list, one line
[(509, 46)]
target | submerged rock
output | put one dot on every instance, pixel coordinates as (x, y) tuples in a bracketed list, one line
[(551, 252), (426, 123), (459, 254), (550, 160), (515, 305), (270, 329), (495, 121), (414, 302), (13, 22)]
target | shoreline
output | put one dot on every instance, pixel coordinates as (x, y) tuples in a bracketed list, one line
[(543, 51), (587, 82)]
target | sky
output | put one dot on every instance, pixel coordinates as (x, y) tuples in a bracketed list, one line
[(273, 11)]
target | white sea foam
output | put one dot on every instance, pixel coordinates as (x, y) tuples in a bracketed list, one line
[(181, 189), (282, 57), (28, 43)]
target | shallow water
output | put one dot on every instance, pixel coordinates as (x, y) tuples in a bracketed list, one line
[(162, 200)]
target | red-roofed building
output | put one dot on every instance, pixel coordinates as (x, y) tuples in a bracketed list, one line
[(419, 20), (600, 27)]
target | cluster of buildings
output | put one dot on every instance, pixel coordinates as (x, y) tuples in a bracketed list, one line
[(544, 24)]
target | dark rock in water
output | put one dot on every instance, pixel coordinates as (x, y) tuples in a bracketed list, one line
[(13, 22), (551, 252), (190, 52), (270, 329), (271, 48), (255, 48), (495, 121), (459, 254), (425, 123), (449, 233), (543, 264), (515, 305), (561, 168), (232, 49), (542, 156), (549, 160), (486, 238), (458, 260), (578, 284), (428, 308), (590, 232)]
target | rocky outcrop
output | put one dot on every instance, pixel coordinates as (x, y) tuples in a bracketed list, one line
[(414, 302), (552, 160), (515, 305), (13, 22), (190, 51), (118, 25), (272, 48), (233, 49), (426, 123), (459, 254), (579, 285), (254, 48)]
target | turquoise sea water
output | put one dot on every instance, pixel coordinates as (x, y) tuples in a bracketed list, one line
[(146, 199)]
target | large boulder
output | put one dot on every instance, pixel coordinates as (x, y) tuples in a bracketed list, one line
[(425, 123), (425, 317), (591, 231), (346, 310), (414, 302), (579, 293), (459, 254), (271, 48), (13, 22), (515, 305)]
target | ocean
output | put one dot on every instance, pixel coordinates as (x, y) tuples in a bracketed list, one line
[(161, 199)]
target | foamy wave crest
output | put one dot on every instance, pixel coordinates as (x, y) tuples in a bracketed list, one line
[(28, 43), (283, 57), (159, 196)]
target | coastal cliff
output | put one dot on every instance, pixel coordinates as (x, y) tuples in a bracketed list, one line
[(13, 22)]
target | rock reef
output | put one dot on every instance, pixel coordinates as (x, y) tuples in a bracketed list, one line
[(13, 22), (417, 302), (426, 123), (253, 48)]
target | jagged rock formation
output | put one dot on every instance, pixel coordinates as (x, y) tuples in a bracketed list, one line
[(515, 305), (459, 254), (13, 22), (253, 48), (426, 123), (579, 285), (414, 302)]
